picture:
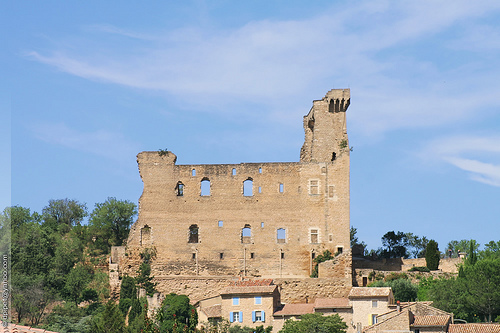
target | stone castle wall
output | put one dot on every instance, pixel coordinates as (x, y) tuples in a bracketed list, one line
[(248, 219)]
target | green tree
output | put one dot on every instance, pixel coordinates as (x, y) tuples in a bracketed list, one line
[(354, 238), (326, 255), (77, 280), (315, 323), (110, 222), (110, 320), (62, 214), (402, 288), (472, 256), (394, 245), (432, 255), (416, 245), (461, 246), (176, 314), (482, 287), (491, 250)]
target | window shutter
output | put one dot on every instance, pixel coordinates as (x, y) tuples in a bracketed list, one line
[(241, 317), (231, 317), (253, 316), (263, 316)]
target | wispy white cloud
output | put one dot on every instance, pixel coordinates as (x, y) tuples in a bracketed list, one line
[(103, 143), (282, 62), (478, 155)]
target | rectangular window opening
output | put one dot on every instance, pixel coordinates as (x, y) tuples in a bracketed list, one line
[(314, 187), (258, 300), (374, 303), (331, 191), (236, 301), (260, 189), (262, 224), (194, 256), (260, 170), (313, 255), (340, 249), (281, 188), (258, 315), (221, 224), (221, 255), (282, 255), (252, 255), (314, 236)]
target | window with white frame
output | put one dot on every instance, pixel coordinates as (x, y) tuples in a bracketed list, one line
[(374, 319), (313, 187), (314, 236), (258, 316), (236, 316)]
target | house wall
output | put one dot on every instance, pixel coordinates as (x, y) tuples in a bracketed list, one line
[(363, 310), (246, 306)]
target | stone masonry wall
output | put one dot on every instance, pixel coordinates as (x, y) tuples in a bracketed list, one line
[(257, 219)]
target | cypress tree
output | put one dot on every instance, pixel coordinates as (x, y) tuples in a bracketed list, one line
[(432, 255)]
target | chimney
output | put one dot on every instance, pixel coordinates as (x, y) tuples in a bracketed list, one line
[(399, 306)]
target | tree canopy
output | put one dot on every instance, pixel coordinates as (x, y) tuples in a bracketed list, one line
[(315, 323)]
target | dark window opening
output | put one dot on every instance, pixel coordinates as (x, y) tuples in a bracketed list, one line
[(334, 156), (221, 255), (252, 255), (248, 188), (180, 189), (193, 256), (246, 234), (281, 235), (313, 255), (193, 234), (340, 249), (365, 281), (205, 187), (310, 124), (331, 106), (145, 235), (282, 255)]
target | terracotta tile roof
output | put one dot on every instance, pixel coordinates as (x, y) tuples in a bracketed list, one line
[(474, 328), (233, 290), (431, 321), (369, 292), (214, 311), (24, 329), (295, 309), (252, 283), (327, 303)]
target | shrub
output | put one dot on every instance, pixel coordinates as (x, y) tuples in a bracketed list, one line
[(419, 269)]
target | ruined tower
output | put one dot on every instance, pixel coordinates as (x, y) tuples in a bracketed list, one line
[(250, 219)]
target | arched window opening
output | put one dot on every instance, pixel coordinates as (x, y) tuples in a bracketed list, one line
[(281, 235), (282, 188), (193, 172), (179, 188), (248, 187), (331, 106), (205, 187), (234, 171), (246, 234), (193, 233)]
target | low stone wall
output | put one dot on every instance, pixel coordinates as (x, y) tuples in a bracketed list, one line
[(447, 265), (372, 275)]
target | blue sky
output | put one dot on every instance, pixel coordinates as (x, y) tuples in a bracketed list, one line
[(88, 85)]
